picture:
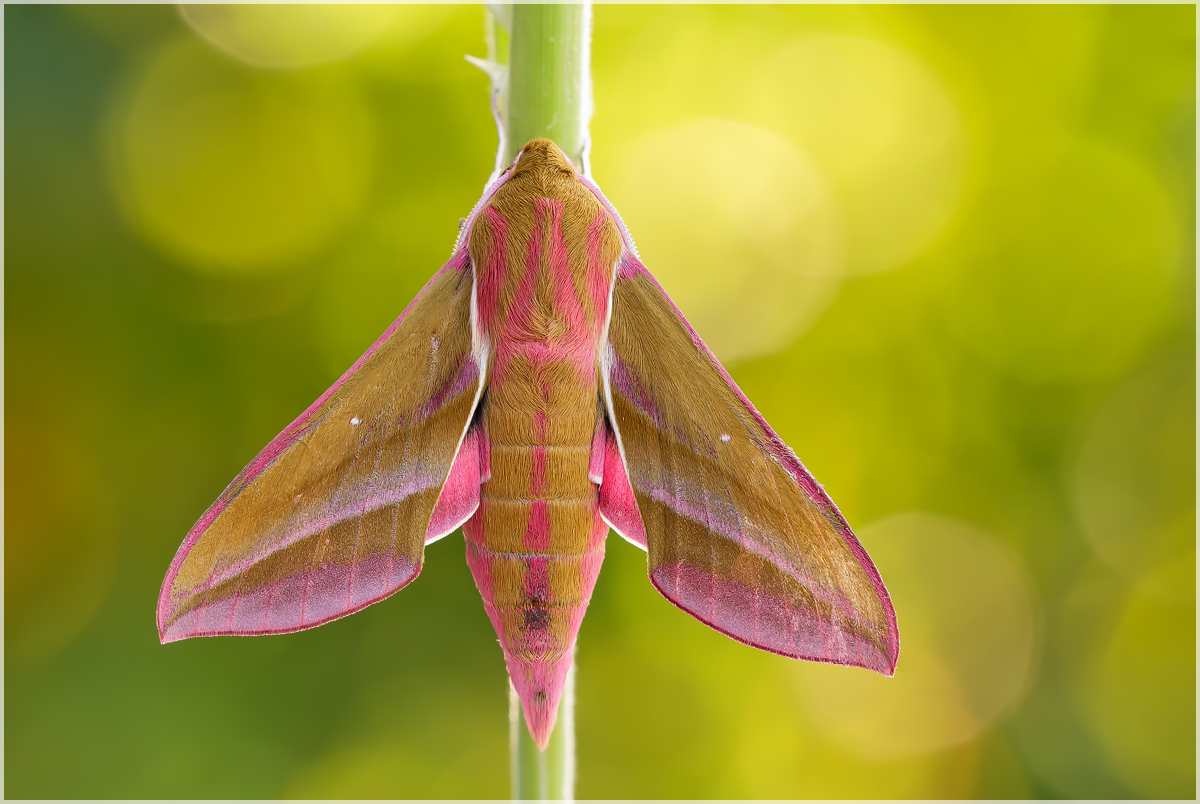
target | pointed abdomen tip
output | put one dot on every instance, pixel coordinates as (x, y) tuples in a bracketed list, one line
[(541, 713)]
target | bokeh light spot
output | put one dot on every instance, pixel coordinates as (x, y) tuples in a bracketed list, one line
[(289, 34), (879, 124), (236, 170), (1073, 275), (1135, 481), (378, 770), (967, 631), (59, 540), (1143, 693), (885, 131), (736, 224), (782, 757)]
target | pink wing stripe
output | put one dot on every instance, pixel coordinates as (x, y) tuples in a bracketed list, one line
[(352, 502), (763, 621), (460, 494), (467, 376), (618, 506), (297, 602), (632, 389)]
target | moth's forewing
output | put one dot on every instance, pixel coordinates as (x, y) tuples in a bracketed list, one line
[(739, 534), (334, 513)]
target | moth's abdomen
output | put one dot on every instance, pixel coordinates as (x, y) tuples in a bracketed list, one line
[(537, 541), (535, 555)]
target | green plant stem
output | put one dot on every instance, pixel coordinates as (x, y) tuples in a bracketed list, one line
[(546, 91), (549, 77), (543, 775), (539, 63)]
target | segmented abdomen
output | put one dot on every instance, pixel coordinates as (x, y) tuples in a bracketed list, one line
[(543, 250), (537, 541)]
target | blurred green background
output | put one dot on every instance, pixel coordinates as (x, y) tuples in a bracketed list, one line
[(948, 252)]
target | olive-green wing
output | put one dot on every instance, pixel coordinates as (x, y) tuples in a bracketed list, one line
[(334, 513), (739, 534)]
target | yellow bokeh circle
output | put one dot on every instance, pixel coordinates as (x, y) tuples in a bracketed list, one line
[(967, 638), (736, 224), (1142, 690), (291, 34), (1135, 480), (237, 170), (884, 129), (60, 548)]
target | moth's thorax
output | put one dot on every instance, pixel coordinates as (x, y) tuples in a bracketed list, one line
[(543, 250)]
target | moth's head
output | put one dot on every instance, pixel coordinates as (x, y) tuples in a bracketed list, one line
[(543, 155)]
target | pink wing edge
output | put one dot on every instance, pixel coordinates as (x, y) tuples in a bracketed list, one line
[(619, 501), (456, 503)]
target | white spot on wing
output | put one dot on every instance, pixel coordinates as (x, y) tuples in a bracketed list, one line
[(725, 438), (355, 422)]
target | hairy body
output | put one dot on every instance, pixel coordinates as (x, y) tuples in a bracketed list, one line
[(544, 251)]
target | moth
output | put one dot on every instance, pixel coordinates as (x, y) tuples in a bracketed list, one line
[(541, 389)]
